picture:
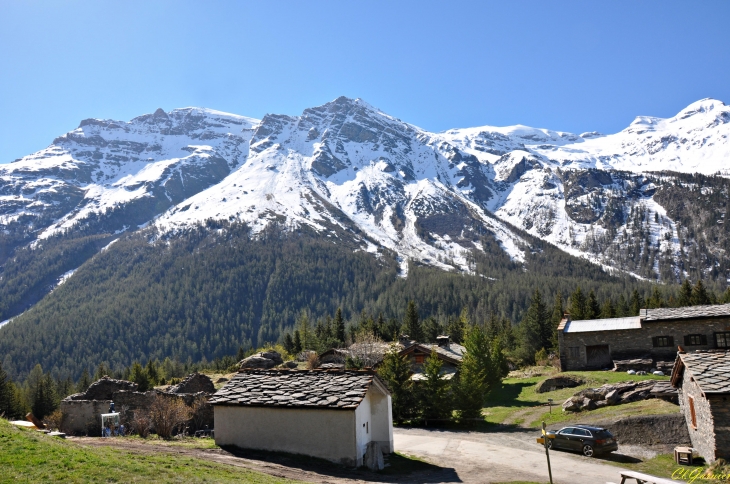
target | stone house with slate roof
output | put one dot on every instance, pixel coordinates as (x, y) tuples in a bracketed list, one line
[(655, 334), (450, 354), (703, 382), (330, 414)]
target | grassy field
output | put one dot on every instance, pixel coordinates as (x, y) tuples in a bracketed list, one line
[(517, 397), (29, 456)]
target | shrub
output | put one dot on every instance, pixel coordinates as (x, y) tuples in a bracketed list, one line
[(168, 414), (53, 420), (141, 423), (312, 360)]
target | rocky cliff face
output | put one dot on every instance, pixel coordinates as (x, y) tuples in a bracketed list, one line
[(347, 169)]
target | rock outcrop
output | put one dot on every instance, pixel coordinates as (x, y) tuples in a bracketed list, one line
[(558, 382), (610, 394), (261, 361)]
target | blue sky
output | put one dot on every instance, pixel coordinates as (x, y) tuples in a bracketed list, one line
[(568, 65)]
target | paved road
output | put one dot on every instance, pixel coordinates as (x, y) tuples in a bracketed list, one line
[(501, 456)]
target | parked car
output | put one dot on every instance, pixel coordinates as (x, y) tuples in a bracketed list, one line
[(585, 439)]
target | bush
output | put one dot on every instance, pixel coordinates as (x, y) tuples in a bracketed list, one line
[(53, 420), (312, 360), (141, 423), (168, 414), (541, 357)]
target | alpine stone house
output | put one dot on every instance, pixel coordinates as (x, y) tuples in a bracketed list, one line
[(702, 379), (332, 414), (655, 334)]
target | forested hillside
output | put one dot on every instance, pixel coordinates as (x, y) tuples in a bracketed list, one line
[(204, 293)]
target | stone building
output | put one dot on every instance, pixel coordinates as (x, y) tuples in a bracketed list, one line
[(703, 381), (333, 414), (653, 335)]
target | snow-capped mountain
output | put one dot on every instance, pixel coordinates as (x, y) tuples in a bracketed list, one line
[(346, 169)]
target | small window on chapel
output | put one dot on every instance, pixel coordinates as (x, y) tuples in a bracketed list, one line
[(722, 340), (419, 359), (692, 413)]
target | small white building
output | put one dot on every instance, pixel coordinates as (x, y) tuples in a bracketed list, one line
[(330, 414)]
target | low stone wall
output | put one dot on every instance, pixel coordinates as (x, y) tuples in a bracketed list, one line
[(668, 429)]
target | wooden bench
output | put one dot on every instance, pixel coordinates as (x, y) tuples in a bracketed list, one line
[(645, 478)]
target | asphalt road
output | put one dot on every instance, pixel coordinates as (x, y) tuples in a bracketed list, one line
[(502, 456)]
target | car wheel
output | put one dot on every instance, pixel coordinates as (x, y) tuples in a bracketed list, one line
[(588, 450), (549, 443)]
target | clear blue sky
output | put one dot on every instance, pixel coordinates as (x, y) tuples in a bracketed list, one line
[(571, 66)]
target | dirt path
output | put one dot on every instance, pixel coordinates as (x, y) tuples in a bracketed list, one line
[(469, 457), (522, 418), (272, 464)]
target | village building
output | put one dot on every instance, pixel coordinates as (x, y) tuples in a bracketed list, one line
[(703, 381), (450, 354), (333, 414), (652, 337)]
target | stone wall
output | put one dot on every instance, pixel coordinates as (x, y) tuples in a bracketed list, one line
[(194, 383), (83, 417), (634, 343), (720, 407), (703, 437), (668, 429)]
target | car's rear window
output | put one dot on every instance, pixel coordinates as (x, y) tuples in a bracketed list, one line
[(602, 434)]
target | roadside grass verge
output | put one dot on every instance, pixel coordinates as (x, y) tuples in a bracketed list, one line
[(30, 456), (518, 394), (662, 465)]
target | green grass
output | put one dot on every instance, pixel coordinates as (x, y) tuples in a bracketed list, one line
[(662, 465), (30, 456), (517, 394), (401, 464)]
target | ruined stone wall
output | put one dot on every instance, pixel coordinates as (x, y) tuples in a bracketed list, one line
[(82, 417), (632, 343)]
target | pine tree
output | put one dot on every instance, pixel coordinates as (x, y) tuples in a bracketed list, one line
[(152, 372), (339, 327), (607, 309), (622, 308), (395, 371), (433, 392), (685, 294), (577, 305), (700, 297), (725, 298), (242, 354), (139, 376), (297, 342), (44, 399), (656, 300), (84, 382), (535, 329), (412, 322), (555, 318), (288, 344), (101, 371), (637, 303), (431, 330), (593, 310), (6, 395)]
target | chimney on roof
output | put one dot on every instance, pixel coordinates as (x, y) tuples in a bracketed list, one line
[(404, 339), (566, 316), (443, 341), (643, 313)]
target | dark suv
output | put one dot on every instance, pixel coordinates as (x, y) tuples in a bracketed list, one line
[(583, 438)]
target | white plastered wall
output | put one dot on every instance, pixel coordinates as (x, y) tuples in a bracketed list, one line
[(327, 434)]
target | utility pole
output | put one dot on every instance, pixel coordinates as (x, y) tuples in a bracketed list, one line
[(547, 452)]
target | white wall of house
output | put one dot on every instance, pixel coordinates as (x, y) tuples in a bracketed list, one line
[(381, 422), (325, 433)]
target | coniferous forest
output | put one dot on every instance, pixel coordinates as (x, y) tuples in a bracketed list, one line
[(202, 295)]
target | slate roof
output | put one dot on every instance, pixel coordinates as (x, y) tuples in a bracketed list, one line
[(610, 324), (690, 312), (709, 368), (454, 353), (335, 389)]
